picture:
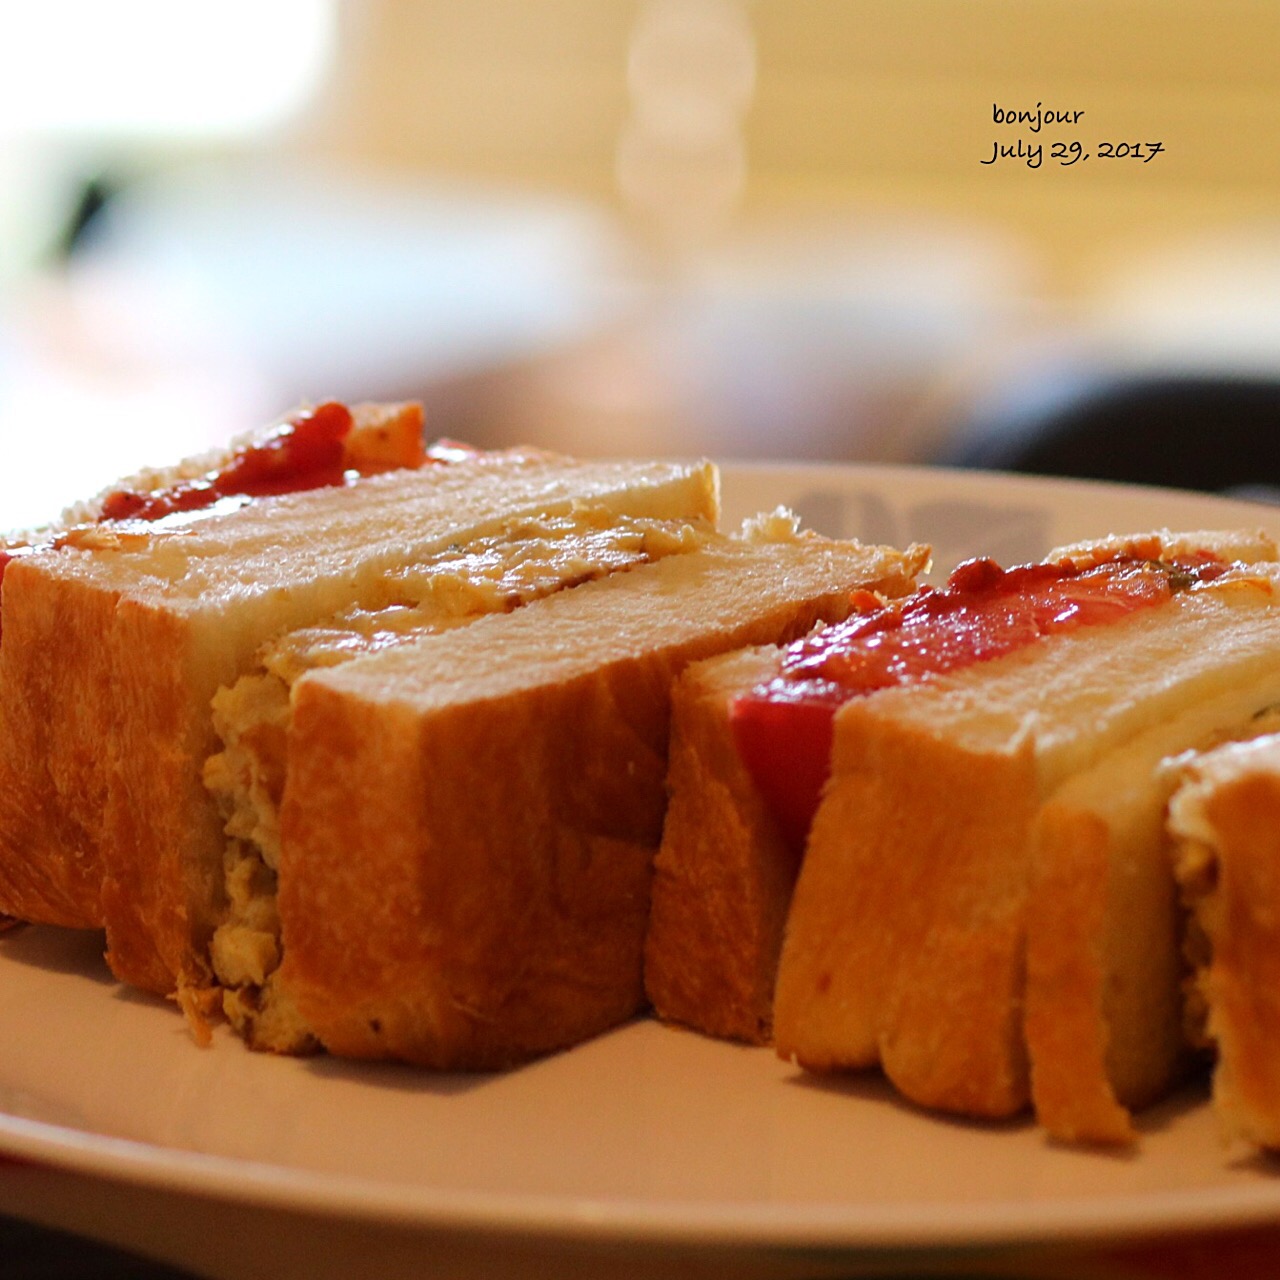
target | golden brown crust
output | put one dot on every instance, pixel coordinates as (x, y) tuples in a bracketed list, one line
[(57, 721), (1104, 971), (723, 875), (160, 893), (487, 900), (99, 711), (104, 724), (476, 907), (1066, 1030), (904, 944)]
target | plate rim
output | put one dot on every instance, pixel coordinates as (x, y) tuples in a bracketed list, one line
[(841, 1227), (915, 1227)]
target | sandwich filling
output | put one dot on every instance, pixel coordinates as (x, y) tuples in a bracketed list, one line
[(784, 727), (526, 559), (1196, 856)]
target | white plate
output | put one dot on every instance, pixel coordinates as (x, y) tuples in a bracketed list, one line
[(648, 1136)]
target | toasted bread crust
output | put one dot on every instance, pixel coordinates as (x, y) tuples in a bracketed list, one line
[(904, 944), (723, 875), (1105, 967), (101, 712), (56, 721), (477, 907), (160, 894), (1066, 977)]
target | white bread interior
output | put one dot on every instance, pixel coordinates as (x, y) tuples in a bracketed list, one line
[(114, 643), (1225, 818), (906, 940), (487, 899)]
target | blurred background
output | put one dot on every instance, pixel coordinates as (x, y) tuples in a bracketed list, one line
[(750, 228)]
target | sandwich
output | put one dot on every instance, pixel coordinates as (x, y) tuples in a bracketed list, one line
[(119, 624), (933, 737), (378, 766), (1106, 1023), (486, 900), (1223, 817), (950, 776)]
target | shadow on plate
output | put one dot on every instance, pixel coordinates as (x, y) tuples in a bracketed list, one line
[(77, 951), (871, 1087), (400, 1077)]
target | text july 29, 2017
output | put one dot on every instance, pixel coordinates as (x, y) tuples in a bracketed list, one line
[(1035, 150)]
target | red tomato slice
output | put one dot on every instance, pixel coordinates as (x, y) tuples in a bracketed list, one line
[(303, 452), (786, 746), (783, 729), (311, 449)]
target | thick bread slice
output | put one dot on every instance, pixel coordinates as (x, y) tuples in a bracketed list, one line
[(1104, 1003), (905, 944), (113, 646), (486, 899), (1226, 818), (723, 875), (725, 871)]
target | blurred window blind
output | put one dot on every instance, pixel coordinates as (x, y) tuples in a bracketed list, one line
[(880, 102)]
